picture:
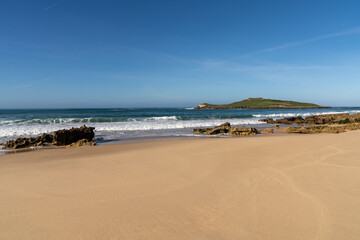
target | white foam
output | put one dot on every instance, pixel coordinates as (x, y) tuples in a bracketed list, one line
[(154, 125), (282, 115), (25, 130), (161, 118), (81, 120), (45, 121)]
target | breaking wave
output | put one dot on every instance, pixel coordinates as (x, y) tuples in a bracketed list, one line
[(48, 121), (127, 123), (25, 130), (283, 115)]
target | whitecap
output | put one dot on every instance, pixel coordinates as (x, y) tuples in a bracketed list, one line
[(282, 115), (26, 130)]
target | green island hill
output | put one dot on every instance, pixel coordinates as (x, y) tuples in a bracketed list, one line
[(261, 103)]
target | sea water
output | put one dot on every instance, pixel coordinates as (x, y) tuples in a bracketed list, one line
[(120, 124)]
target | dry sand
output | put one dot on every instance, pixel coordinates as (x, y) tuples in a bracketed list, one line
[(285, 187)]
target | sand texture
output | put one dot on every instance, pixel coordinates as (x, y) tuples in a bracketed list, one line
[(264, 188)]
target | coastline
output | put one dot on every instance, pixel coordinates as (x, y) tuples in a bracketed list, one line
[(118, 124), (273, 187), (140, 139)]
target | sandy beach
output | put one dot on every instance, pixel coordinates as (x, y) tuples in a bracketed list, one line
[(275, 187)]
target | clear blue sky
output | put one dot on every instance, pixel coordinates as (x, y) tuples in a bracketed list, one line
[(102, 53)]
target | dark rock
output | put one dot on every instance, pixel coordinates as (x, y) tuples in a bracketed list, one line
[(201, 130), (65, 137), (291, 120), (344, 118), (223, 128), (267, 130), (243, 131), (323, 129), (327, 118), (268, 120), (82, 142), (46, 138), (80, 136), (28, 142), (315, 129), (226, 128)]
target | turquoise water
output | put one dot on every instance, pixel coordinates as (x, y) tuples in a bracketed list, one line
[(125, 123)]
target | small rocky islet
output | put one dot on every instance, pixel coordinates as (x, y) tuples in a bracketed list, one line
[(261, 103)]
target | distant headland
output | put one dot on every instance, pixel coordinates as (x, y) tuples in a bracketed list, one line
[(261, 103)]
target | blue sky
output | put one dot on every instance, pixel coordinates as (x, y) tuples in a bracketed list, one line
[(92, 53)]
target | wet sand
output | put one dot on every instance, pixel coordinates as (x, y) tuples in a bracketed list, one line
[(275, 187)]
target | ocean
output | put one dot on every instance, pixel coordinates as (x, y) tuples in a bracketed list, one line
[(136, 124)]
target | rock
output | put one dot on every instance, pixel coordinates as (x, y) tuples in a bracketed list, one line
[(82, 142), (226, 128), (314, 129), (291, 120), (353, 126), (66, 137), (267, 130), (242, 131), (333, 119), (201, 106), (317, 119), (323, 129), (276, 126), (28, 142), (201, 130), (46, 138), (15, 144), (60, 138), (223, 128), (268, 120)]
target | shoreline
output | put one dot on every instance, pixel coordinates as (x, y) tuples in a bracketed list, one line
[(100, 142), (273, 187), (126, 123)]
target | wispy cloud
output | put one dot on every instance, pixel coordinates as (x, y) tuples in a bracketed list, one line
[(306, 41), (241, 67), (31, 84), (285, 67), (162, 55), (55, 5)]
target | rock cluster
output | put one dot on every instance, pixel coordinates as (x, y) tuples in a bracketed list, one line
[(333, 119), (323, 129), (317, 119), (73, 137), (267, 130), (290, 120), (245, 131), (82, 142), (226, 128), (223, 128), (28, 142)]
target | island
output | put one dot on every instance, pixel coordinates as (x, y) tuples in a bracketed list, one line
[(261, 103)]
